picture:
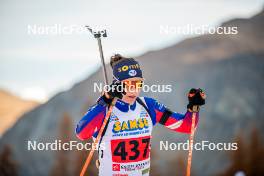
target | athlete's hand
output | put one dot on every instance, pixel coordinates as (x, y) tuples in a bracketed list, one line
[(196, 97), (116, 89)]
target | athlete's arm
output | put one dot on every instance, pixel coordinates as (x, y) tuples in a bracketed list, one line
[(91, 122), (172, 120)]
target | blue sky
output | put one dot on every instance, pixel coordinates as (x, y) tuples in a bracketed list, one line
[(39, 66)]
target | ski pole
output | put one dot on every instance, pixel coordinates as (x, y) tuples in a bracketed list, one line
[(98, 35), (189, 161)]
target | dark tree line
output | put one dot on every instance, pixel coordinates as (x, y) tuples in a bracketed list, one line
[(8, 166), (249, 158)]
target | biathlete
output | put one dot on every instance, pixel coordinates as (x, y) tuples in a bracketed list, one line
[(125, 142)]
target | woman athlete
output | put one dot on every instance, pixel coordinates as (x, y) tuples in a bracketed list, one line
[(125, 142)]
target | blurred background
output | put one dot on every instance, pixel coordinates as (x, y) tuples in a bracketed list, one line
[(47, 77)]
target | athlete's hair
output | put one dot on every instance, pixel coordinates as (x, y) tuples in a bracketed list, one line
[(115, 59)]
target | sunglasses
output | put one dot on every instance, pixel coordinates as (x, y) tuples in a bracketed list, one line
[(135, 84)]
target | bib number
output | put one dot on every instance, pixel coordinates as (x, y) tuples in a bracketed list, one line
[(130, 150)]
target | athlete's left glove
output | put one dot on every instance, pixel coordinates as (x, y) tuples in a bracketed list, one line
[(196, 97)]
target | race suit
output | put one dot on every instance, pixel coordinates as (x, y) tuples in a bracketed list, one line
[(126, 140)]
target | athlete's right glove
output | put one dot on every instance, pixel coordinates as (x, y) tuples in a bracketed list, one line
[(196, 97), (116, 89)]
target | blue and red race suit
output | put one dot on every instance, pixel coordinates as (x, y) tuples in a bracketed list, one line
[(126, 140)]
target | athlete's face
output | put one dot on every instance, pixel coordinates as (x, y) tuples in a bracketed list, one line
[(133, 88)]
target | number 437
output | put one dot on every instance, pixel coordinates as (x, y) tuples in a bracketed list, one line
[(130, 150)]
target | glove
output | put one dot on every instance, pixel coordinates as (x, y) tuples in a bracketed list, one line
[(116, 89), (196, 98)]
